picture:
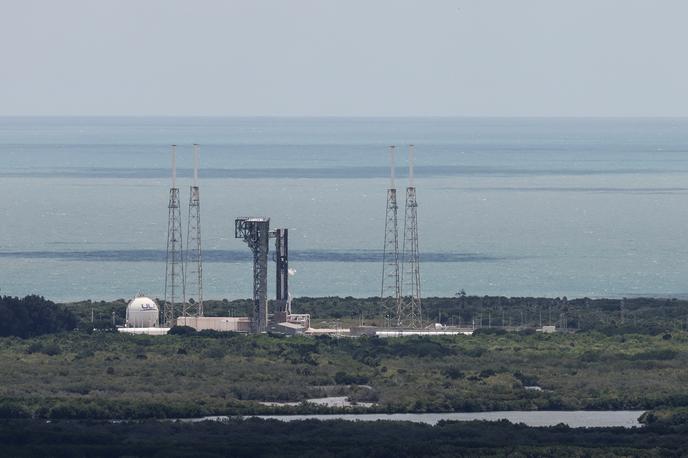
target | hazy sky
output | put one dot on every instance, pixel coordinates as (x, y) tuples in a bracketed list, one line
[(348, 57)]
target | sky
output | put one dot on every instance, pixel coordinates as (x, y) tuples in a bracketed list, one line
[(344, 57)]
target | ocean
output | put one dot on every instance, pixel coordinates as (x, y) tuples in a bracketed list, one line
[(507, 206)]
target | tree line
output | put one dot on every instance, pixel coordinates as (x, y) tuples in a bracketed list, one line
[(33, 316), (312, 438)]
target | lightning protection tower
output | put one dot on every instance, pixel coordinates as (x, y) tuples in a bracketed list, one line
[(174, 269), (391, 289), (194, 260), (410, 312)]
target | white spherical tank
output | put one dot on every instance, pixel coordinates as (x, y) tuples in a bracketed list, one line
[(142, 312)]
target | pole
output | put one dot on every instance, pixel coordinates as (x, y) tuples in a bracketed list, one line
[(196, 161), (410, 159), (174, 166), (392, 167)]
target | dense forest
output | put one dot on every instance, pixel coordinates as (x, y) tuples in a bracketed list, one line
[(312, 438), (33, 316)]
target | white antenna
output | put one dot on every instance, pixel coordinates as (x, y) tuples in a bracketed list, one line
[(391, 167), (195, 176), (410, 162), (174, 166)]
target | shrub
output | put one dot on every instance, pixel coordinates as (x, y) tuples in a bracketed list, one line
[(490, 332), (84, 353), (9, 409), (421, 347), (181, 331), (591, 356), (52, 349), (34, 347), (526, 380), (215, 352), (49, 349), (453, 373), (661, 354), (217, 334), (475, 352), (342, 378), (485, 373)]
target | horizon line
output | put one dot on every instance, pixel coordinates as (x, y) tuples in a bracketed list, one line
[(330, 116)]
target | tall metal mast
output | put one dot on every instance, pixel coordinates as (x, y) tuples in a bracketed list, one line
[(410, 311), (194, 260), (174, 268), (390, 292)]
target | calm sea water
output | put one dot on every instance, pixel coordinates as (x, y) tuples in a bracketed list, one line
[(553, 207)]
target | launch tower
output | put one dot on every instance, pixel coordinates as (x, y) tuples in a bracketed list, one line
[(256, 233)]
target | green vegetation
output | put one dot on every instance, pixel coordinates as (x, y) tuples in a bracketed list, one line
[(677, 416), (255, 437), (33, 316), (629, 355), (111, 375), (102, 374), (609, 316)]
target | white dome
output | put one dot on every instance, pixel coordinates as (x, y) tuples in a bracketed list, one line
[(142, 312)]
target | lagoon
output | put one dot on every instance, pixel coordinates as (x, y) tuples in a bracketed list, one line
[(572, 418)]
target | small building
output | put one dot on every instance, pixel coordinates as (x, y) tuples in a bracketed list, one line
[(216, 323), (290, 328), (146, 331), (142, 312), (301, 319), (328, 332), (421, 332)]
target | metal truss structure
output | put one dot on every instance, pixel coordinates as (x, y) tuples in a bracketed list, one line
[(390, 292), (194, 258), (174, 268), (256, 233), (410, 310)]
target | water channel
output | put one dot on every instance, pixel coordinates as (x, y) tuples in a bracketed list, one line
[(574, 419)]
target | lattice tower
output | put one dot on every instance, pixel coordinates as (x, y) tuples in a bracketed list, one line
[(410, 309), (194, 258), (174, 268), (391, 287)]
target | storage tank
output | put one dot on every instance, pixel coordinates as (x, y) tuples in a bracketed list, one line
[(142, 312)]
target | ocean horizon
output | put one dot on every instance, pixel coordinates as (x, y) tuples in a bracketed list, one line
[(507, 206)]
